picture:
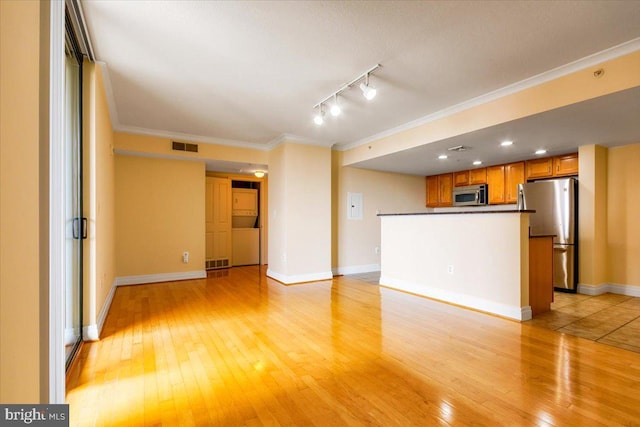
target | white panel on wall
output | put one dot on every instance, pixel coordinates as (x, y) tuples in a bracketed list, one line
[(354, 206)]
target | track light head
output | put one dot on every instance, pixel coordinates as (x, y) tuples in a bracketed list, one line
[(335, 108), (319, 118), (368, 91)]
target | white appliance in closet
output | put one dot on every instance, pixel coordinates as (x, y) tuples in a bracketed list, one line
[(245, 232)]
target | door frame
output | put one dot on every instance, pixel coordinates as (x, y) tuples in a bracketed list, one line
[(57, 190)]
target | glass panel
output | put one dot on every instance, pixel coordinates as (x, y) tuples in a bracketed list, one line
[(73, 209), (465, 197)]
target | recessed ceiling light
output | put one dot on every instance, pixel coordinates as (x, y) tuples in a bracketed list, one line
[(442, 156), (506, 143), (541, 151), (477, 162)]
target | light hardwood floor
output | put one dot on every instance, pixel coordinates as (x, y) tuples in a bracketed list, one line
[(241, 349)]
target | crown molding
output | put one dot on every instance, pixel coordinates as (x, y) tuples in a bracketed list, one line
[(189, 137), (555, 73), (288, 137)]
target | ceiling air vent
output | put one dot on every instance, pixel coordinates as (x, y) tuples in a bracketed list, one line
[(458, 148), (184, 146)]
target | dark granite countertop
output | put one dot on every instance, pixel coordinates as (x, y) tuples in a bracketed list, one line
[(459, 213)]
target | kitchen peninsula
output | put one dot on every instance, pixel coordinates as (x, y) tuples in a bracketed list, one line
[(475, 259)]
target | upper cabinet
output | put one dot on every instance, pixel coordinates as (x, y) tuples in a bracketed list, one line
[(539, 168), (440, 190), (495, 182), (513, 175), (478, 176), (461, 178), (445, 183), (552, 166), (432, 191), (565, 165), (503, 182)]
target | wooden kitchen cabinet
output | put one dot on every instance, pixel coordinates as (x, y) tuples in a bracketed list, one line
[(478, 176), (540, 274), (565, 165), (503, 182), (539, 168), (495, 181), (445, 184), (461, 178), (439, 190), (549, 167), (432, 191), (513, 175)]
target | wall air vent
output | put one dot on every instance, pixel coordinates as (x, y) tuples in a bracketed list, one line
[(212, 264), (184, 146), (458, 148)]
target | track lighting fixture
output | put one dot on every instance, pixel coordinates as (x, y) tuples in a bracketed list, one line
[(335, 108), (368, 91), (319, 118)]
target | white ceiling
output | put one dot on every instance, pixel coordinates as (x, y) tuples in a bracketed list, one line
[(249, 73)]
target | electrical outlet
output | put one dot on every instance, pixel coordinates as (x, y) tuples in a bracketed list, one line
[(185, 257), (377, 250), (450, 269)]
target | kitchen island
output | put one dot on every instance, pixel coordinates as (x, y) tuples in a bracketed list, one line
[(475, 259)]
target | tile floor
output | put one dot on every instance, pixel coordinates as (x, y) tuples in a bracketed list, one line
[(608, 318)]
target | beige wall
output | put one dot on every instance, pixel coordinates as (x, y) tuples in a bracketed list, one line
[(158, 146), (623, 231), (99, 198), (159, 214), (355, 241), (592, 221), (277, 211), (620, 74), (299, 213), (23, 202)]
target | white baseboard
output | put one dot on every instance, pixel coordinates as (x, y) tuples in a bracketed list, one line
[(511, 312), (158, 278), (300, 278), (614, 288), (92, 332), (105, 308), (356, 269)]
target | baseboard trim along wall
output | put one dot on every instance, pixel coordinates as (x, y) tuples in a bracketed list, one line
[(356, 269), (300, 278), (158, 278), (614, 288), (92, 332), (511, 312)]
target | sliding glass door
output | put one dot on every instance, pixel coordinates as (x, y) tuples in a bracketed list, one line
[(75, 229)]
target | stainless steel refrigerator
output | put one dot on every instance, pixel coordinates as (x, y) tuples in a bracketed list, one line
[(556, 204)]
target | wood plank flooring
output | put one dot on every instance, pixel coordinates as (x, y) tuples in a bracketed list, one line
[(240, 349)]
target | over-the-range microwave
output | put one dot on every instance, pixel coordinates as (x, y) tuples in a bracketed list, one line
[(470, 195)]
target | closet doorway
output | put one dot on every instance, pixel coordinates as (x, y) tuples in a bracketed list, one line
[(236, 223)]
